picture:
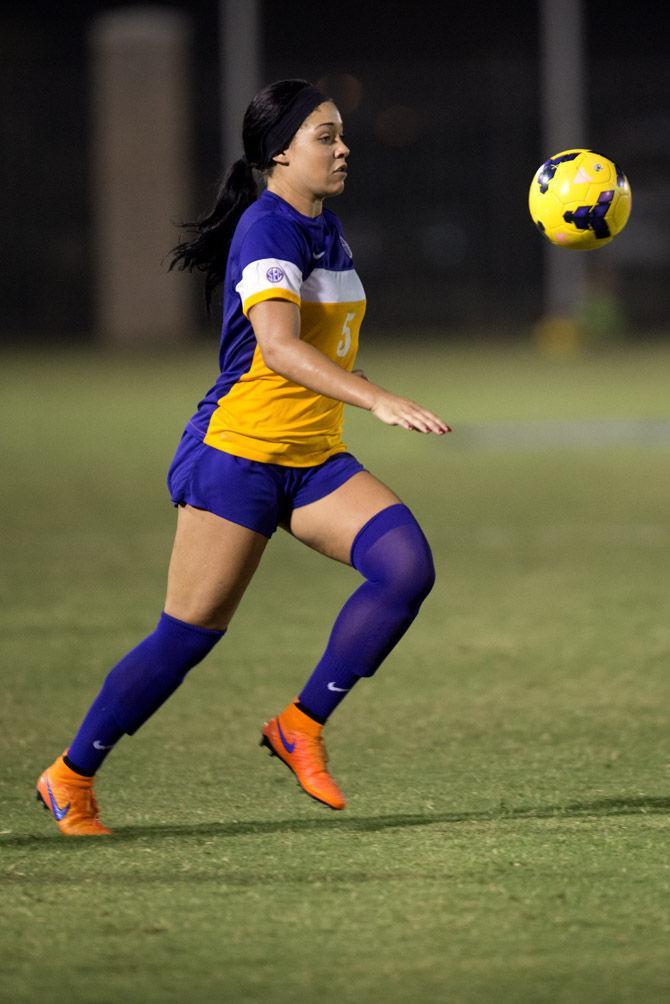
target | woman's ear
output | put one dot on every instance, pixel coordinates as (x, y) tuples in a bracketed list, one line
[(281, 158)]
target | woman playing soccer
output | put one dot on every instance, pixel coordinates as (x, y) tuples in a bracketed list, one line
[(264, 449)]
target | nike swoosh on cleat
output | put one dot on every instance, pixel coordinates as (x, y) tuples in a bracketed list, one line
[(57, 811), (339, 690), (289, 747), (98, 745)]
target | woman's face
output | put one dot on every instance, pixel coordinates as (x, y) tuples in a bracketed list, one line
[(315, 161)]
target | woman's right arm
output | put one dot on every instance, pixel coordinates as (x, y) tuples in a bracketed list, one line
[(276, 325)]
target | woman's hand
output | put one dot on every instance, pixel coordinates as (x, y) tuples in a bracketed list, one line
[(395, 410)]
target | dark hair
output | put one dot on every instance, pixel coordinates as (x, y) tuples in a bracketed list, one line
[(208, 249)]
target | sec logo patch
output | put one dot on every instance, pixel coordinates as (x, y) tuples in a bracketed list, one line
[(274, 274)]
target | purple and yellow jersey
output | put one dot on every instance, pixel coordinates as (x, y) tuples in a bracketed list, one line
[(251, 411)]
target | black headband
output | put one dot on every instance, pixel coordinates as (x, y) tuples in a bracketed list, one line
[(282, 132)]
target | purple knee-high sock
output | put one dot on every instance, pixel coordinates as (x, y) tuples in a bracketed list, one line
[(394, 556), (137, 686)]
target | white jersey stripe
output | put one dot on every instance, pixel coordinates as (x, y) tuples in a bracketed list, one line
[(328, 286), (267, 274), (323, 285)]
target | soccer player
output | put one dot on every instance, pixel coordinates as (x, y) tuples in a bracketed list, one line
[(264, 449)]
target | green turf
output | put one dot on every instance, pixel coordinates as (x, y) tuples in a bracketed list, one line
[(508, 770)]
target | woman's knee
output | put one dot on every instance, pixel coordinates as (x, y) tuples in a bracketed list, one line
[(416, 574), (392, 551), (425, 573)]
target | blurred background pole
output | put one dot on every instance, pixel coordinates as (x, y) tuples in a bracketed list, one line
[(239, 26), (141, 169), (562, 48)]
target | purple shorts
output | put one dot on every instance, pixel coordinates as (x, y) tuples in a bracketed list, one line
[(253, 494)]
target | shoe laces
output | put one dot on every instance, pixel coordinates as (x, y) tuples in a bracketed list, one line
[(313, 750), (85, 800), (92, 804)]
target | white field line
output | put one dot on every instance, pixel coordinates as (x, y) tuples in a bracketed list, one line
[(570, 433), (503, 538)]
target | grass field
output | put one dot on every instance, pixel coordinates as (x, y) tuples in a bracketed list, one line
[(508, 770)]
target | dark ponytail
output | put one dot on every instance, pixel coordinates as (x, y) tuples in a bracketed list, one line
[(208, 250), (270, 122)]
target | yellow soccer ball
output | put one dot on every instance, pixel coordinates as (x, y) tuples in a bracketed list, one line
[(579, 199)]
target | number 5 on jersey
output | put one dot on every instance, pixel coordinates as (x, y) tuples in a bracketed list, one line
[(344, 343)]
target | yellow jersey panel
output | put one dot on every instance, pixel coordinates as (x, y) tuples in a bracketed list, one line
[(269, 418)]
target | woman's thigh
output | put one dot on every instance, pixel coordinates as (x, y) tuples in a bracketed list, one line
[(330, 524), (212, 563)]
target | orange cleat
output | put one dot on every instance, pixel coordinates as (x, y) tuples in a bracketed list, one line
[(298, 742), (70, 799)]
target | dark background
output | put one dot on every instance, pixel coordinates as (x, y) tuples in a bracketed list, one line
[(445, 137)]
